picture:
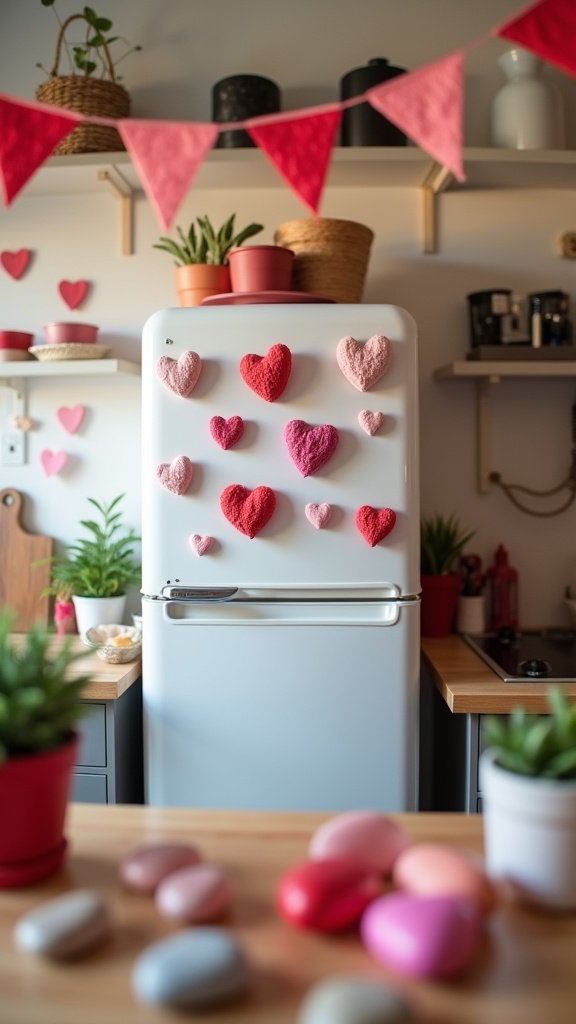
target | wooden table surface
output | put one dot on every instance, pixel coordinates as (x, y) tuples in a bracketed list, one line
[(107, 682), (525, 970)]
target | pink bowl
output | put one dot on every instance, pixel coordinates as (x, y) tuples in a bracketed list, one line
[(16, 339), (67, 334)]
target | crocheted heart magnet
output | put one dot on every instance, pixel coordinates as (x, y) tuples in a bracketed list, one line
[(364, 363), (267, 375), (370, 421), (201, 543), (180, 375), (176, 476), (310, 447), (318, 515), (226, 432), (374, 524), (248, 511)]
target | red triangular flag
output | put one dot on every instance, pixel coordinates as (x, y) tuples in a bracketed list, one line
[(428, 105), (167, 155), (300, 149), (29, 133), (549, 29)]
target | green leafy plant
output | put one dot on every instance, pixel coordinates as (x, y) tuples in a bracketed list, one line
[(537, 745), (441, 542), (39, 705), (92, 54), (206, 245)]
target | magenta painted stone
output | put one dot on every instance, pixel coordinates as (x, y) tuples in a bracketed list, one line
[(432, 937), (145, 867), (327, 895), (194, 894), (372, 837)]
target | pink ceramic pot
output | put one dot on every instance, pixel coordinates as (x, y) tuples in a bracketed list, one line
[(261, 268), (16, 340), (67, 334)]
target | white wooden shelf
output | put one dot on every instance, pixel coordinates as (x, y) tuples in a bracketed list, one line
[(70, 367)]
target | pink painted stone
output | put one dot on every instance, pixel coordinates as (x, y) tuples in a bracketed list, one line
[(327, 895), (437, 869), (145, 867), (370, 836), (196, 894)]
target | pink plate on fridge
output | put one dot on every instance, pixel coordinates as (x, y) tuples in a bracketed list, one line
[(253, 298)]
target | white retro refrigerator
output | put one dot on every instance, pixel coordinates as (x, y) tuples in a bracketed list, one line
[(280, 541)]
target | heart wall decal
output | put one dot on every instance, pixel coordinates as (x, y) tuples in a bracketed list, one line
[(363, 364), (201, 543), (180, 375), (228, 432), (15, 263), (73, 292), (70, 418), (370, 421), (248, 511), (267, 375), (318, 515), (176, 476), (374, 524), (53, 462), (310, 447)]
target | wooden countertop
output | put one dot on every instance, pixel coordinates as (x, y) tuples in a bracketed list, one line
[(524, 970), (469, 686), (107, 682)]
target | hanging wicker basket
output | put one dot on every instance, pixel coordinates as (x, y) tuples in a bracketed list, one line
[(331, 256)]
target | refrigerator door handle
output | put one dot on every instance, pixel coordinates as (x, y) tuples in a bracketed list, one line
[(199, 594)]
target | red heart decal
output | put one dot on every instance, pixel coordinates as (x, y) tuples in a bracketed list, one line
[(71, 418), (310, 447), (226, 432), (180, 375), (73, 292), (53, 462), (15, 263), (268, 375), (248, 511), (364, 364), (374, 524), (176, 476)]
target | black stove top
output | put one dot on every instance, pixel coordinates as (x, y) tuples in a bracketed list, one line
[(538, 656)]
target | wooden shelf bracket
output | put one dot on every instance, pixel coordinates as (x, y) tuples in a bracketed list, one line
[(125, 193), (437, 180)]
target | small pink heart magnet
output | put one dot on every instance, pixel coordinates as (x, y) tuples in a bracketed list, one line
[(70, 418), (226, 432), (53, 462), (200, 544), (73, 292), (180, 375), (318, 515), (176, 476), (363, 364), (15, 263), (370, 421), (310, 447)]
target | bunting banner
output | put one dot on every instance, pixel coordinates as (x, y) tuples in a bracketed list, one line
[(548, 28), (28, 136)]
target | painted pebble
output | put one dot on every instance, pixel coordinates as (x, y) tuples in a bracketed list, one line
[(144, 868), (194, 894), (353, 1000), (435, 869), (373, 838), (65, 926), (196, 969), (327, 895)]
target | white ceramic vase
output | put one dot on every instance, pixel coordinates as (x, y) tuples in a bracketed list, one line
[(470, 614), (98, 611), (528, 112)]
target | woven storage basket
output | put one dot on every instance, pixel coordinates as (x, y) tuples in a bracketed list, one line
[(90, 96), (331, 256)]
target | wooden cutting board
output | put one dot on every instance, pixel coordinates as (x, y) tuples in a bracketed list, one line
[(20, 583)]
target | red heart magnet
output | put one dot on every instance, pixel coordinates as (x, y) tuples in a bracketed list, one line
[(310, 447), (15, 263), (73, 292), (248, 511), (226, 432), (176, 476), (374, 524), (267, 375)]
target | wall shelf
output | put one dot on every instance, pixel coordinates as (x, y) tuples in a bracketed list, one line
[(70, 367)]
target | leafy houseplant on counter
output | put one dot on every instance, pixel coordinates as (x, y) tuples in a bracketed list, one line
[(201, 258), (441, 543), (528, 782), (39, 707)]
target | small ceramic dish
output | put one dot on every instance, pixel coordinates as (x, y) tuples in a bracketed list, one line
[(115, 644), (10, 340), (64, 333)]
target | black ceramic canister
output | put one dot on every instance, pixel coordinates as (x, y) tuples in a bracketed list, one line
[(362, 125), (237, 98)]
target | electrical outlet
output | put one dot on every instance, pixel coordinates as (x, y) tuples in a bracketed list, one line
[(13, 453), (567, 245)]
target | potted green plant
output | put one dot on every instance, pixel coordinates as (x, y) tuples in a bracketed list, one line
[(441, 542), (39, 707), (528, 782), (201, 258)]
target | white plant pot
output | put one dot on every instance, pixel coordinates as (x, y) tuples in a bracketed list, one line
[(98, 611), (530, 834)]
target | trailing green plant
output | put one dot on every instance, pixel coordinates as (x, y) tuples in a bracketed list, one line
[(93, 53), (441, 542), (39, 705), (536, 745), (206, 245)]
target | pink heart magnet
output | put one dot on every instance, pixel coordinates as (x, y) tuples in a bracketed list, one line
[(53, 462), (73, 292), (180, 375), (364, 363), (310, 447), (200, 544), (15, 263), (374, 524), (176, 476), (318, 515), (370, 421), (226, 432), (70, 418)]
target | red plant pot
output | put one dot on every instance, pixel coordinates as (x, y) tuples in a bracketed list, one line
[(261, 268), (439, 601)]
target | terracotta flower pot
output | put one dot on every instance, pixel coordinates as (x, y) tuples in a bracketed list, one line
[(261, 268), (197, 281), (439, 601)]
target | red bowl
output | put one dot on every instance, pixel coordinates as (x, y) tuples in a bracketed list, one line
[(67, 334), (16, 339)]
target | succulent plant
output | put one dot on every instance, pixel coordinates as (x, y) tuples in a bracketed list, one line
[(536, 745), (208, 245), (441, 542)]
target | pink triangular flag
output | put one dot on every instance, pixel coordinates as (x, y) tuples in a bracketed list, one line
[(300, 149), (428, 104), (167, 155), (29, 133), (549, 29)]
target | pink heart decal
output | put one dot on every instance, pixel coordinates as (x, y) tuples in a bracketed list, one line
[(310, 447), (180, 375), (364, 363), (374, 524), (226, 432), (176, 476), (248, 511), (370, 421), (15, 263), (53, 462), (73, 292), (267, 375), (318, 515), (201, 544), (71, 418)]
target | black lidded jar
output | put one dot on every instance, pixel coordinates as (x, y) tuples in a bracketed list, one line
[(237, 98), (362, 125)]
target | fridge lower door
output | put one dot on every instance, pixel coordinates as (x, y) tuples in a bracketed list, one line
[(308, 706)]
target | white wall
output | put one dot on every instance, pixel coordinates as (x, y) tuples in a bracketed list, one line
[(487, 239)]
